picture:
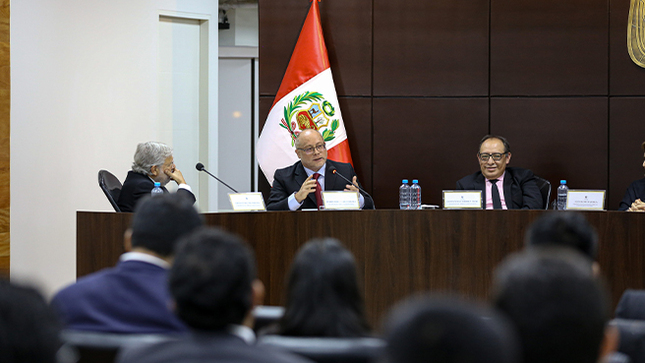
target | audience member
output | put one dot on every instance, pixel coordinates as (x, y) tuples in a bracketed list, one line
[(502, 187), (558, 307), (565, 229), (153, 162), (323, 296), (426, 329), (133, 296), (215, 289), (28, 327)]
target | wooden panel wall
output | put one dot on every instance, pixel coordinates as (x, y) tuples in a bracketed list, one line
[(5, 104), (421, 82)]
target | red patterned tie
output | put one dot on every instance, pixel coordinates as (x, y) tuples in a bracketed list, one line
[(319, 200)]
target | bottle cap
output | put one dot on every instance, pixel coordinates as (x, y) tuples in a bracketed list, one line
[(415, 181), (157, 184), (563, 182), (405, 181)]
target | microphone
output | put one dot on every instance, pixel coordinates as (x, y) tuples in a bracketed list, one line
[(200, 167), (335, 171)]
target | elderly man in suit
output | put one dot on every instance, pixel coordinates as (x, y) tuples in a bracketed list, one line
[(299, 185), (153, 162), (503, 187)]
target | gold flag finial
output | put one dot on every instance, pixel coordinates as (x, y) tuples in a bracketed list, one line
[(636, 32)]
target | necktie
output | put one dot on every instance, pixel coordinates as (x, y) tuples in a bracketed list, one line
[(497, 203), (318, 192)]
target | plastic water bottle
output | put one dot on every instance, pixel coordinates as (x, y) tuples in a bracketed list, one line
[(404, 195), (562, 195), (156, 190), (415, 195)]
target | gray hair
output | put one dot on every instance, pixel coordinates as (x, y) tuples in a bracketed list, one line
[(149, 154)]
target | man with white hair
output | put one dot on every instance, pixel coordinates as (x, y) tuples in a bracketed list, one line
[(153, 162)]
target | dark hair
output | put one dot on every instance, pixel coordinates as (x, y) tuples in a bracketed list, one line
[(448, 330), (507, 146), (158, 222), (323, 297), (28, 327), (643, 145), (558, 307), (568, 229), (211, 279)]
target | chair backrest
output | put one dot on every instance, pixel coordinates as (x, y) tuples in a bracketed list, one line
[(632, 338), (94, 347), (265, 316), (111, 186), (329, 350), (545, 188), (631, 305)]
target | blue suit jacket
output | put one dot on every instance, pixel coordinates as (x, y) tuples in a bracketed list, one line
[(130, 298)]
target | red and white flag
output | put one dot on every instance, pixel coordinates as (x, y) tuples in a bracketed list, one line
[(306, 99)]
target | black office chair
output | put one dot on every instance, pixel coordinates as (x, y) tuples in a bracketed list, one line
[(545, 188), (329, 350), (111, 186)]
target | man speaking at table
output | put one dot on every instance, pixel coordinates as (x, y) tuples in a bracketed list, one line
[(503, 187), (300, 185)]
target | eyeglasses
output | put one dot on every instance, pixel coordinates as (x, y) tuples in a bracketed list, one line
[(310, 150), (495, 156)]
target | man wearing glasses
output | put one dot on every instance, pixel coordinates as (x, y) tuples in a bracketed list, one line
[(503, 187), (299, 186)]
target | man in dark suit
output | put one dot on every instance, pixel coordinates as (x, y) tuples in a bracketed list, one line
[(215, 290), (153, 162), (133, 297), (502, 187), (634, 200), (296, 187)]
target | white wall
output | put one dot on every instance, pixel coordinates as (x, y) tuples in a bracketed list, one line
[(84, 93)]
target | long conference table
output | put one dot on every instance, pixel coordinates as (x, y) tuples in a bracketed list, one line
[(398, 252)]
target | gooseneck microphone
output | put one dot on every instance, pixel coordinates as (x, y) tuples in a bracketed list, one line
[(200, 167), (335, 171)]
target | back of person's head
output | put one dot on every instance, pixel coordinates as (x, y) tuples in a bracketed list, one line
[(28, 328), (558, 307), (323, 297), (159, 222), (149, 154), (211, 279), (447, 330), (567, 229)]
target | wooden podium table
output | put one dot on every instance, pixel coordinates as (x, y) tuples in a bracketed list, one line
[(397, 252)]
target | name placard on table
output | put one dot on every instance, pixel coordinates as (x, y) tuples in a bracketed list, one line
[(584, 199), (462, 199), (245, 202), (340, 200)]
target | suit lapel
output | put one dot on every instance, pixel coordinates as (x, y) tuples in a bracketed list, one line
[(480, 184), (508, 193)]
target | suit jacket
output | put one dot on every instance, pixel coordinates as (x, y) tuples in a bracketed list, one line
[(218, 347), (635, 191), (137, 186), (520, 189), (131, 297), (289, 180)]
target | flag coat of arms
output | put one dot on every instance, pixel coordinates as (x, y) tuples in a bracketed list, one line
[(306, 99)]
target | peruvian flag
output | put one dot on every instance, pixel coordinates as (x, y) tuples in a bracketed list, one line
[(306, 99)]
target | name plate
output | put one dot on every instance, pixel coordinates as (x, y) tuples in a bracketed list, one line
[(340, 200), (462, 199), (579, 199), (244, 202)]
